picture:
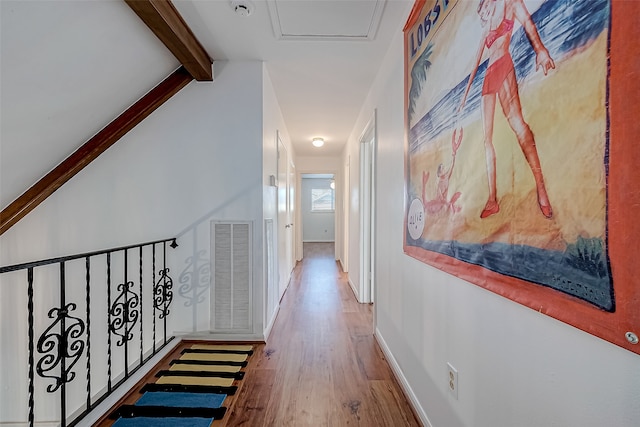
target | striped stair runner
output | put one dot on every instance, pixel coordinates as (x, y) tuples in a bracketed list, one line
[(191, 393)]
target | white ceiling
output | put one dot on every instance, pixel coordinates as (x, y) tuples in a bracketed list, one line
[(68, 68), (321, 69)]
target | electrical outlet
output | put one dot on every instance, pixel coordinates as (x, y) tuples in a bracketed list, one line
[(452, 377)]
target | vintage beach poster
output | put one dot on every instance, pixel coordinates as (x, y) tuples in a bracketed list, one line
[(509, 149)]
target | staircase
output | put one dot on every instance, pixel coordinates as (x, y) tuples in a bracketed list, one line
[(192, 387)]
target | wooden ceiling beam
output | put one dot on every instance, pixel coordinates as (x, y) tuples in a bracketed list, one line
[(166, 23), (91, 149)]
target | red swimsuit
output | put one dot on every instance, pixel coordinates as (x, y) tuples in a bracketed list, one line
[(500, 68), (505, 26)]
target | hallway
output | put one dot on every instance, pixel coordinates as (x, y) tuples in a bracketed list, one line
[(321, 365)]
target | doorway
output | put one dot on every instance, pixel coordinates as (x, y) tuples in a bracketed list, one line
[(318, 208)]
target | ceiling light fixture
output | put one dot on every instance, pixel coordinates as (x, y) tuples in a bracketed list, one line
[(317, 142)]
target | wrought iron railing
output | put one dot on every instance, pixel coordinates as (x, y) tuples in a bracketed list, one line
[(107, 316)]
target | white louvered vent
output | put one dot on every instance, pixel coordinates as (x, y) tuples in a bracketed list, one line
[(231, 287)]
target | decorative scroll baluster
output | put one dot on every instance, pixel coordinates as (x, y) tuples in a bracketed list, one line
[(124, 315), (163, 294), (60, 347)]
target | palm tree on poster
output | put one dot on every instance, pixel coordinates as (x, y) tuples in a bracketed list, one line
[(419, 77)]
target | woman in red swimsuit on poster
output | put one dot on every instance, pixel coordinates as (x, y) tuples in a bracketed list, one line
[(500, 80)]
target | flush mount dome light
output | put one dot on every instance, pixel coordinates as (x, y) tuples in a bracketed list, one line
[(317, 142)]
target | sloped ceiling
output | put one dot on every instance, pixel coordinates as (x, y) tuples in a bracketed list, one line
[(66, 72)]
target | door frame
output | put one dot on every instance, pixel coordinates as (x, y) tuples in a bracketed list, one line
[(368, 143)]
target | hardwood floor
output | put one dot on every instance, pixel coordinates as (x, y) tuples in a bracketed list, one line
[(321, 365)]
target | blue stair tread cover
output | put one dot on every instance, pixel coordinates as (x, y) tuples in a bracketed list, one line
[(163, 422), (155, 411), (181, 399)]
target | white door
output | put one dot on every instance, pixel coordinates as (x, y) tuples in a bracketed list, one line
[(285, 240), (291, 211)]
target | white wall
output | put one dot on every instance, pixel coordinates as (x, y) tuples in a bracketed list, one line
[(197, 158), (54, 81), (516, 367), (316, 226)]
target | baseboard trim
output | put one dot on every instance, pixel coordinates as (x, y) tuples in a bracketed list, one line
[(267, 330), (404, 383), (354, 289)]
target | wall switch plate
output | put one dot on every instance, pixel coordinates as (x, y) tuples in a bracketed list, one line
[(452, 377)]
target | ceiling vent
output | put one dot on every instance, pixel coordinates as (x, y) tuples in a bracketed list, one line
[(325, 20), (242, 7)]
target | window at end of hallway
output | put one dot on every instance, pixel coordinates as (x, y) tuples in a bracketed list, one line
[(322, 200)]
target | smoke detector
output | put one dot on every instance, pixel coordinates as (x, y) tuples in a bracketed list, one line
[(242, 7)]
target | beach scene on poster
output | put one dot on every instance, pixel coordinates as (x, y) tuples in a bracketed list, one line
[(507, 141)]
